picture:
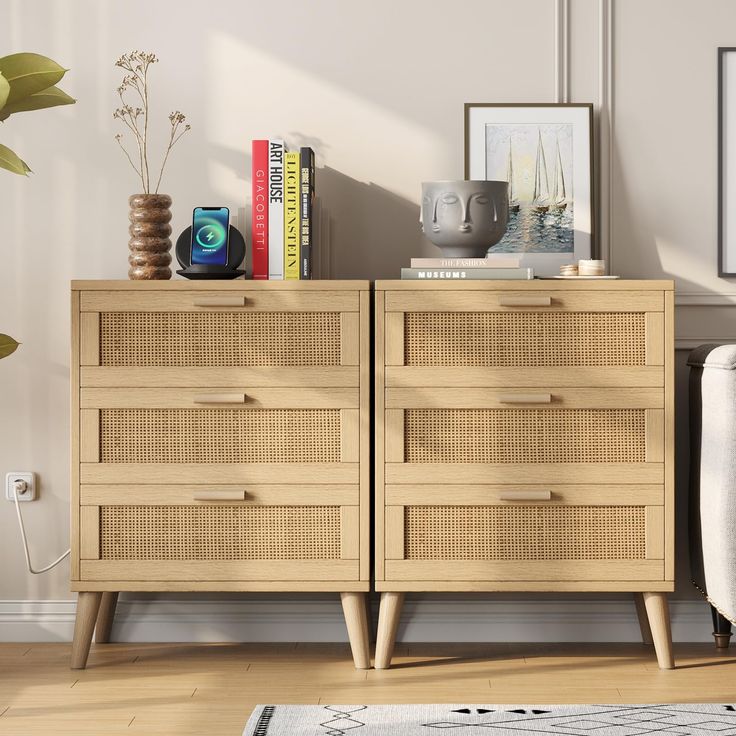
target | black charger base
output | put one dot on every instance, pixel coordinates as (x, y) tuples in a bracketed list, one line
[(197, 271), (235, 256)]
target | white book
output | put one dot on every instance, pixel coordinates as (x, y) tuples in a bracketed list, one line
[(276, 210), (493, 261)]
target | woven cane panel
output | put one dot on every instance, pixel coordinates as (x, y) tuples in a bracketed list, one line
[(220, 533), (220, 339), (214, 436), (525, 436), (525, 339), (525, 533)]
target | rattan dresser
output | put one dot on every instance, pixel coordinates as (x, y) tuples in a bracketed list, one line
[(221, 442), (524, 442)]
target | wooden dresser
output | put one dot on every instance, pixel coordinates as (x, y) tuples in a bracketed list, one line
[(524, 442), (220, 442)]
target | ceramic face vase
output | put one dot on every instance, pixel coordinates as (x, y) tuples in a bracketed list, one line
[(464, 218)]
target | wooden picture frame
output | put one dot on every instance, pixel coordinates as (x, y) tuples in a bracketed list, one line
[(726, 250), (551, 223)]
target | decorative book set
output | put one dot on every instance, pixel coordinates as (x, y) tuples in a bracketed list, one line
[(522, 434), (282, 222)]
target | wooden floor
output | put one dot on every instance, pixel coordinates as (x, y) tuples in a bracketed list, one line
[(211, 689)]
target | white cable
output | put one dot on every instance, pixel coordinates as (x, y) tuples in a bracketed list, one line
[(25, 541)]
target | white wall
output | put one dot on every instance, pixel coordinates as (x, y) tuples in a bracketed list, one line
[(377, 89)]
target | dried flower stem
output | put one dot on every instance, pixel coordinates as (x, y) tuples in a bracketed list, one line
[(176, 119), (136, 64)]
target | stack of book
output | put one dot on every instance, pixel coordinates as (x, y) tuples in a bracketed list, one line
[(490, 267), (282, 227)]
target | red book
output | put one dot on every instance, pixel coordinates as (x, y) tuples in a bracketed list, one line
[(259, 216)]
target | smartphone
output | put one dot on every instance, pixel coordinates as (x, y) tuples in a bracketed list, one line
[(210, 231)]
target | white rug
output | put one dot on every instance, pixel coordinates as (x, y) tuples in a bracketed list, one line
[(492, 720)]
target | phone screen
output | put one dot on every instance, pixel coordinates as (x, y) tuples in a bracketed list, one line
[(210, 228)]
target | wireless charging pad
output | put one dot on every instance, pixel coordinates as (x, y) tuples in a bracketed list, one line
[(235, 256)]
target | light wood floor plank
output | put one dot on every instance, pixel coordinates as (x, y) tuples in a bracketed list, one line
[(183, 689)]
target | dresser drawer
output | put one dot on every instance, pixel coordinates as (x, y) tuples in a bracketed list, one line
[(591, 441), (132, 441), (523, 541), (238, 540), (121, 330), (603, 338)]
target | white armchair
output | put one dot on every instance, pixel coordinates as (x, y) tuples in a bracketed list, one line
[(713, 482)]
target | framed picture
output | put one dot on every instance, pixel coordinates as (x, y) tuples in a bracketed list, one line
[(727, 161), (545, 152)]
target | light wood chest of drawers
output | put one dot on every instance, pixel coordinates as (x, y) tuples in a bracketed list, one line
[(221, 441), (524, 442)]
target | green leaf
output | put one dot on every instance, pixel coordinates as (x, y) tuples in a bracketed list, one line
[(4, 91), (28, 74), (50, 97), (7, 345), (11, 162)]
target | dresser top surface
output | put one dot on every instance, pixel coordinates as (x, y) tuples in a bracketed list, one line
[(524, 285), (218, 285)]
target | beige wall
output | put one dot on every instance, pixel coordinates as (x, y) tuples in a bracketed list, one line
[(377, 89)]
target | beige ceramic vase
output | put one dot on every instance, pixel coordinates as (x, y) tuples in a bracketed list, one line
[(149, 242)]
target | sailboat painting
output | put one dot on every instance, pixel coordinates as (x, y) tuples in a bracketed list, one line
[(537, 161)]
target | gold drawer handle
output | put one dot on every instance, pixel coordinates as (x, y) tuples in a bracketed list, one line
[(221, 495), (525, 495), (219, 398), (525, 398), (525, 301), (219, 301)]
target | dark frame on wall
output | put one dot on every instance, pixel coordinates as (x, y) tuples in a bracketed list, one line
[(580, 114), (723, 252)]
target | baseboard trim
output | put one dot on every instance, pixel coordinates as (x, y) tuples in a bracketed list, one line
[(321, 621)]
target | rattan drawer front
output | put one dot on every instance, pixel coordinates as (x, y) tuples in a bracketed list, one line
[(219, 532), (220, 436), (525, 339), (523, 532), (219, 339), (525, 436)]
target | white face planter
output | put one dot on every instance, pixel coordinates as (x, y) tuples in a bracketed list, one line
[(464, 218)]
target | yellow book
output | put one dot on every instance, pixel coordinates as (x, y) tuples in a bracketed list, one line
[(291, 216)]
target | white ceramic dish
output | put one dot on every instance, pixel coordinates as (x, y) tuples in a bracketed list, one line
[(585, 277)]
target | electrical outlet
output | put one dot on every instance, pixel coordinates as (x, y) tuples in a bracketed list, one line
[(26, 491)]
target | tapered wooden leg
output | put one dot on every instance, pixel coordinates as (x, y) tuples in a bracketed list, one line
[(388, 622), (659, 622), (88, 604), (105, 617), (721, 629), (354, 609), (641, 612)]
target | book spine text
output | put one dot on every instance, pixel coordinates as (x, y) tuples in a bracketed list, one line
[(259, 215)]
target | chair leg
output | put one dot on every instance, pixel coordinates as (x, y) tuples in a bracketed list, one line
[(659, 622), (105, 617), (388, 623), (721, 629), (641, 612), (88, 604), (353, 606)]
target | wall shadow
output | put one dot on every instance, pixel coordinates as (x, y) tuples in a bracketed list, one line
[(364, 231)]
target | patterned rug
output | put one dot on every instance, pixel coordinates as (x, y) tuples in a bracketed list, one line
[(492, 720)]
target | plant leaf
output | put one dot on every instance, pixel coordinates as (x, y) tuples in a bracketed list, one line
[(7, 345), (4, 91), (50, 97), (28, 74), (11, 162)]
